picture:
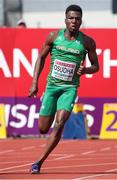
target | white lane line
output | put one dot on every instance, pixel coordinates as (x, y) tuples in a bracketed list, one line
[(65, 157), (75, 166), (67, 142), (105, 149), (43, 145), (111, 170), (61, 167), (5, 140), (27, 148), (92, 158), (58, 154), (7, 151), (11, 162), (12, 167), (19, 170), (88, 152), (33, 179), (97, 175), (100, 154), (49, 160), (91, 176)]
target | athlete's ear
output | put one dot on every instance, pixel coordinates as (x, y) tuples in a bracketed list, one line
[(81, 21), (65, 20)]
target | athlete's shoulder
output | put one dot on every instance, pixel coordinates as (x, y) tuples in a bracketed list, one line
[(87, 38), (53, 34), (51, 37), (88, 41)]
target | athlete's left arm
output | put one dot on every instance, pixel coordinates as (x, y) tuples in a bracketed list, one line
[(90, 46), (92, 55)]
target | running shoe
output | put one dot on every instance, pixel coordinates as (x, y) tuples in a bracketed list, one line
[(35, 169)]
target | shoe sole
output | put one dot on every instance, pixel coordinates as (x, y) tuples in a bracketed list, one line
[(34, 172)]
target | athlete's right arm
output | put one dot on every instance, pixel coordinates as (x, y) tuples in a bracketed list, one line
[(40, 63)]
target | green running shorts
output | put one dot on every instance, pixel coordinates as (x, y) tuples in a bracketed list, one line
[(57, 98)]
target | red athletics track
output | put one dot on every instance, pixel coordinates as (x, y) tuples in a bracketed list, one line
[(72, 159)]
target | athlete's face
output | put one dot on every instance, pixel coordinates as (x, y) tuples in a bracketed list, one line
[(73, 21)]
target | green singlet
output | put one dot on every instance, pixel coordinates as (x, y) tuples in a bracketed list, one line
[(66, 56), (63, 80)]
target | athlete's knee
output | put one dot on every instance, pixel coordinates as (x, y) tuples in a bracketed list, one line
[(43, 129), (59, 125), (58, 128), (61, 119)]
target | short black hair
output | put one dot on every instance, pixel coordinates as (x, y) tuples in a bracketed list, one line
[(73, 7)]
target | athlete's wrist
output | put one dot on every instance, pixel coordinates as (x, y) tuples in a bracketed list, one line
[(34, 81), (83, 70)]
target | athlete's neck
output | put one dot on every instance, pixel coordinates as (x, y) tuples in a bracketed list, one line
[(71, 35)]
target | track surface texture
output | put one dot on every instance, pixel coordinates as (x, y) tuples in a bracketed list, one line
[(71, 159)]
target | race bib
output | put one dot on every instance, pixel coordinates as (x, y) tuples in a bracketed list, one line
[(63, 70)]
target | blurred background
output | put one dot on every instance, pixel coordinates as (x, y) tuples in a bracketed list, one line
[(19, 49), (40, 13)]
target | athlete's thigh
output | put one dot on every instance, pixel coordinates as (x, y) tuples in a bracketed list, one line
[(60, 120), (49, 103), (67, 99), (45, 122), (62, 115)]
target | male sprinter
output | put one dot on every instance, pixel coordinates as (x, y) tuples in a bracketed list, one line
[(68, 48)]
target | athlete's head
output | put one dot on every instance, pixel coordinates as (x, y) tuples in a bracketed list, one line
[(73, 18), (74, 7)]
